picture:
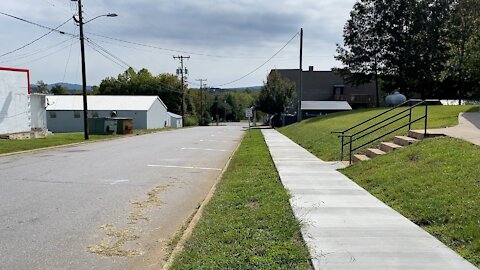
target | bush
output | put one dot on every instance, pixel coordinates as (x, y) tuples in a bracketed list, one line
[(190, 121)]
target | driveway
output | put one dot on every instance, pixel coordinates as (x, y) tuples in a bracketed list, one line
[(107, 205)]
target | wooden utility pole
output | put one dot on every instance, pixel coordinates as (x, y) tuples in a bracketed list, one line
[(300, 76), (202, 122), (84, 75), (182, 72)]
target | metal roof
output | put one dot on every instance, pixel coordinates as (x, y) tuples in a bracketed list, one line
[(101, 103), (174, 115), (326, 105)]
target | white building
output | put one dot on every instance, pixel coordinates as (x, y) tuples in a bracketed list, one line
[(20, 111), (65, 113), (175, 120)]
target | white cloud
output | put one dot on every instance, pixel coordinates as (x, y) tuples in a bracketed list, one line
[(241, 29)]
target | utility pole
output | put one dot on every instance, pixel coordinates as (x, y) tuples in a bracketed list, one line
[(84, 75), (182, 71), (300, 76), (201, 100)]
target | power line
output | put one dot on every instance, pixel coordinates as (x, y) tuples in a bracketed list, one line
[(174, 50), (18, 57), (109, 53), (94, 47), (35, 40), (68, 59), (45, 56), (157, 47), (105, 53), (257, 68), (37, 24)]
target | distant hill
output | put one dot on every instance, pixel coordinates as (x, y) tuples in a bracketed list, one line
[(251, 88), (70, 86), (237, 89)]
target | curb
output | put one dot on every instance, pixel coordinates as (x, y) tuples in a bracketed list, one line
[(198, 213)]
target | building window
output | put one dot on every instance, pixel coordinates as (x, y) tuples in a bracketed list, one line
[(53, 114), (76, 114)]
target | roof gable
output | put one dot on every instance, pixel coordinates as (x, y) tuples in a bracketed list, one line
[(102, 103)]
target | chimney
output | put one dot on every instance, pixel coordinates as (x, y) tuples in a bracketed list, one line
[(310, 69)]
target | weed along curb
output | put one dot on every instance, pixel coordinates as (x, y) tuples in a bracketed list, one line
[(248, 222), (198, 213)]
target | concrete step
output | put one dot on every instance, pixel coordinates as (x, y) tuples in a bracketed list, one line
[(358, 158), (404, 140), (373, 152), (389, 147), (420, 134)]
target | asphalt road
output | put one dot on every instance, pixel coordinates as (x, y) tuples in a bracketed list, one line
[(75, 207)]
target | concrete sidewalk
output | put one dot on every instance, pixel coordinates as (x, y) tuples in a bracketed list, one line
[(347, 228), (468, 128)]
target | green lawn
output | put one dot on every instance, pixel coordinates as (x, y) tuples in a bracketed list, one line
[(11, 146), (248, 224), (314, 134), (436, 184)]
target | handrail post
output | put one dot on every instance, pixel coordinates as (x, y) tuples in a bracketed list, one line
[(343, 141), (350, 160), (410, 119), (426, 118)]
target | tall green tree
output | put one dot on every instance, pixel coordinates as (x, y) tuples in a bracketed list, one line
[(42, 87), (462, 39), (57, 89), (399, 40), (166, 86), (276, 94)]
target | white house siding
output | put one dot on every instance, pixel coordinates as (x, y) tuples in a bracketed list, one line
[(38, 113), (65, 121), (157, 116), (14, 101)]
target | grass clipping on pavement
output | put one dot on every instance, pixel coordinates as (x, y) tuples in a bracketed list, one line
[(436, 184), (248, 224)]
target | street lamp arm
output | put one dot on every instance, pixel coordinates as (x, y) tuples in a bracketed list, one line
[(104, 15)]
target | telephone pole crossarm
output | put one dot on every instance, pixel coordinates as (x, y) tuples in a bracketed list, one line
[(182, 73)]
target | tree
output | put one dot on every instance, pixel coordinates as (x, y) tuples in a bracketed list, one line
[(166, 86), (276, 94), (363, 40), (42, 87), (58, 89), (462, 39), (399, 40)]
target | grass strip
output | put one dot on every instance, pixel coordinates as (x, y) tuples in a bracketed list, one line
[(57, 139), (314, 134), (436, 184), (248, 224)]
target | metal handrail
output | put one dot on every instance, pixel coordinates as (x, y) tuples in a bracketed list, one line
[(385, 112), (380, 125)]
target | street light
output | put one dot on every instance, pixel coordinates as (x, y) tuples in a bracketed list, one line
[(82, 50)]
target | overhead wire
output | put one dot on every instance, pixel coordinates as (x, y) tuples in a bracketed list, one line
[(114, 59), (36, 52), (68, 59), (45, 56), (263, 64), (35, 40), (37, 24)]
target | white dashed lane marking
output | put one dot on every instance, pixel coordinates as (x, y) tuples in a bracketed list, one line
[(204, 149), (186, 167)]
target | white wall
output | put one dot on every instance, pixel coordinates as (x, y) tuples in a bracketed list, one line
[(38, 112), (157, 116), (65, 121), (14, 102)]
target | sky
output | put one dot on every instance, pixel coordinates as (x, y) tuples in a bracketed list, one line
[(225, 39)]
